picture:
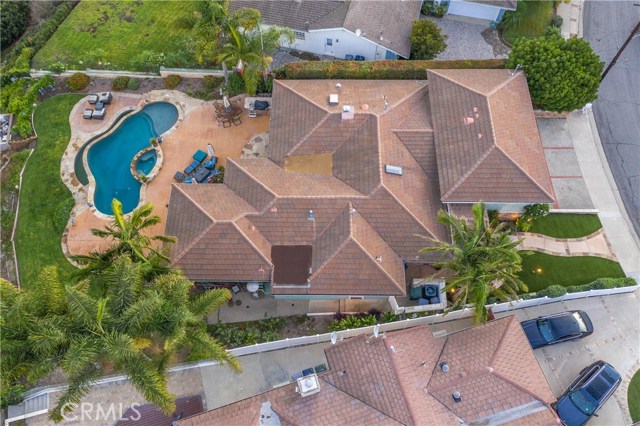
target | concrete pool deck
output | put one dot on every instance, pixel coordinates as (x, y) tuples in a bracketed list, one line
[(195, 128)]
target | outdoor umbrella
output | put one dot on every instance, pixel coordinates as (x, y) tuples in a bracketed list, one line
[(210, 150), (227, 104)]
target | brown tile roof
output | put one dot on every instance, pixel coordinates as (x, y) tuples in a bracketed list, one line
[(496, 155), (392, 20), (150, 415), (396, 379), (241, 413)]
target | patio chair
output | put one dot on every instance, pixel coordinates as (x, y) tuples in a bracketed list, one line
[(225, 122), (87, 114), (236, 121), (348, 57), (200, 156), (105, 97), (93, 98), (99, 113), (359, 58), (191, 167), (179, 177)]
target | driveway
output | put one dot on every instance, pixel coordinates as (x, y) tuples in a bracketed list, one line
[(469, 39), (616, 339)]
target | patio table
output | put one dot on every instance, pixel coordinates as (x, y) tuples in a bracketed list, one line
[(201, 174)]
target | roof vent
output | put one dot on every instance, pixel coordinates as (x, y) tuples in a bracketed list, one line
[(468, 120), (308, 385), (444, 366), (347, 112), (393, 170), (338, 86), (479, 135), (333, 99), (475, 109), (379, 259), (456, 396)]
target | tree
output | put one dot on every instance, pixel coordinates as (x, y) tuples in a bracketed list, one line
[(426, 40), (128, 235), (563, 75), (15, 19), (133, 327), (484, 259)]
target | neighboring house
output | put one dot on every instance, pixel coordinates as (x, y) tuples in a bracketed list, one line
[(353, 182), (371, 30), (398, 379), (490, 10)]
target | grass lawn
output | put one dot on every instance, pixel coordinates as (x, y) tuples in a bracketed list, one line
[(37, 240), (633, 397), (560, 225), (118, 32), (565, 271), (537, 17)]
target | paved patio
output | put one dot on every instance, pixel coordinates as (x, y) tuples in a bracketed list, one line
[(595, 244), (197, 128)]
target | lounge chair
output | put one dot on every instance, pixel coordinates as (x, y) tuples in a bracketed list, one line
[(93, 98), (87, 114), (211, 164), (179, 177), (99, 113), (192, 167), (200, 156), (105, 97)]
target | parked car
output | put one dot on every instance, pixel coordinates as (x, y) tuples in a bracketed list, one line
[(587, 394), (556, 328)]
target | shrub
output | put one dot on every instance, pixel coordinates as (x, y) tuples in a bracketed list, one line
[(15, 19), (172, 81), (557, 21), (61, 214), (529, 216), (78, 81), (219, 178), (265, 85), (553, 291), (380, 70), (236, 85), (601, 283), (353, 321), (244, 334), (133, 84), (212, 82), (57, 67), (120, 83)]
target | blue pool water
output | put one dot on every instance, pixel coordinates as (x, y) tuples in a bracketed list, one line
[(110, 158), (145, 163)]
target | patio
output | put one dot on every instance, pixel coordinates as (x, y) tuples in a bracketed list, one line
[(196, 127)]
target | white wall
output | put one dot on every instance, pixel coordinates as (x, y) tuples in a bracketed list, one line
[(473, 10), (344, 43)]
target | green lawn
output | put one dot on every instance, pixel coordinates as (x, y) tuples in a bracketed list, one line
[(119, 32), (536, 20), (561, 225), (565, 271), (633, 397), (37, 240)]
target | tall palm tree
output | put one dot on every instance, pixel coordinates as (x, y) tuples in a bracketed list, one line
[(136, 328), (129, 237), (484, 259)]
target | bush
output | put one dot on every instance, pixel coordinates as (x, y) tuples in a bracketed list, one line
[(18, 98), (57, 67), (379, 70), (353, 321), (265, 85), (557, 21), (553, 291), (172, 81), (133, 84), (529, 216), (120, 83), (61, 214), (15, 19), (601, 283), (249, 333), (78, 81), (219, 178), (212, 82), (236, 85)]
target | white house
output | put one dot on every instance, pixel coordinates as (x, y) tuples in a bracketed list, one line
[(490, 10), (346, 29)]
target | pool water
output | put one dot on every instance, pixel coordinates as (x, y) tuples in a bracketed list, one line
[(145, 163), (110, 158)]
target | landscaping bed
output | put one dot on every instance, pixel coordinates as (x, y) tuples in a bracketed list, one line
[(540, 270), (633, 397), (43, 194), (563, 225)]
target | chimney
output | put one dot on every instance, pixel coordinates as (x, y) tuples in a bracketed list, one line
[(456, 396)]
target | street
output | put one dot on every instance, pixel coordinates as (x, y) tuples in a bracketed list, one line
[(617, 109)]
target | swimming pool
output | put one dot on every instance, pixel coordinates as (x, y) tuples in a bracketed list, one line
[(110, 158)]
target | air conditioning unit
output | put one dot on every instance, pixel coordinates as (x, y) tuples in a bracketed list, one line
[(393, 170), (308, 385)]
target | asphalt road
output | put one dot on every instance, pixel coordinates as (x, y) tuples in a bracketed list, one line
[(617, 110)]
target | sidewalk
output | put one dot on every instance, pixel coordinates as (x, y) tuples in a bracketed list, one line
[(571, 18), (595, 244), (604, 192)]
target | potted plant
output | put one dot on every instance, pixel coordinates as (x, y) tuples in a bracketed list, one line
[(143, 177), (154, 141)]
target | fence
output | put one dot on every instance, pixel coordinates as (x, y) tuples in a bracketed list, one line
[(182, 72)]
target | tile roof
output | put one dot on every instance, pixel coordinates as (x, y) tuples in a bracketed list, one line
[(504, 4), (373, 18), (396, 379), (487, 141), (150, 414)]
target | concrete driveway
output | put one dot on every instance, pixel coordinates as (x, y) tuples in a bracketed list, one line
[(616, 339)]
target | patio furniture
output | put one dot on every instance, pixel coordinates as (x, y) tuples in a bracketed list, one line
[(99, 114), (261, 105), (211, 164), (87, 114), (201, 174), (348, 57), (415, 293), (235, 289), (320, 368), (189, 179), (359, 58), (236, 121), (252, 287), (93, 98), (191, 167), (105, 97), (200, 156), (179, 177), (226, 122)]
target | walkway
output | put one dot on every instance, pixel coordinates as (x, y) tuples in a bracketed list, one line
[(469, 38), (595, 244)]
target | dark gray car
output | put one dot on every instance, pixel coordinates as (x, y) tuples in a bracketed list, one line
[(557, 328)]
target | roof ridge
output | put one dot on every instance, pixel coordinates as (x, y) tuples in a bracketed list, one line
[(422, 225), (502, 338), (195, 203), (247, 239), (455, 82), (403, 99), (246, 172), (366, 253), (527, 175), (519, 387), (337, 250), (195, 241), (396, 371), (468, 172), (508, 80), (305, 137)]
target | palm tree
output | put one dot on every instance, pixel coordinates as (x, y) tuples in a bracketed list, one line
[(484, 259), (128, 238), (136, 328)]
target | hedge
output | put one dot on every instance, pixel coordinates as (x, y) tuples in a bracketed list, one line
[(600, 283), (378, 70)]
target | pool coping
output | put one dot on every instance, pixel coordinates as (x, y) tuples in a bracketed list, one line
[(82, 195)]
